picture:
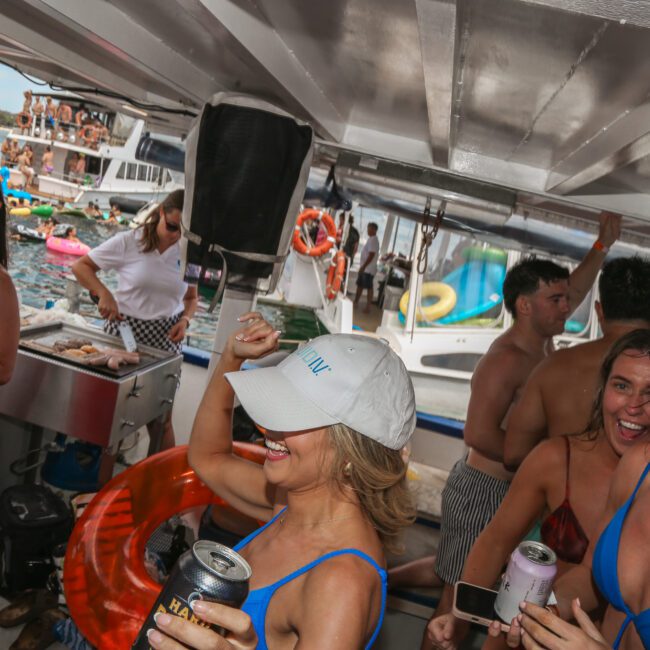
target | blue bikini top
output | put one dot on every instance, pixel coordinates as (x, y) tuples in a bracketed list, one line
[(258, 601), (605, 571)]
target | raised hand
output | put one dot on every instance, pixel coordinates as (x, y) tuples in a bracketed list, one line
[(255, 340), (610, 228)]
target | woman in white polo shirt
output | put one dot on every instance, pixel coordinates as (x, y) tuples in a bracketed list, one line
[(151, 295)]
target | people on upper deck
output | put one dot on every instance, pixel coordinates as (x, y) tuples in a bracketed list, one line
[(333, 487), (565, 481), (540, 295), (556, 399), (24, 118), (63, 120), (50, 114), (37, 111), (151, 295), (10, 321)]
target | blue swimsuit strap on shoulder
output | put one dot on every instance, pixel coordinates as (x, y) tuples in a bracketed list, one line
[(605, 570), (257, 603)]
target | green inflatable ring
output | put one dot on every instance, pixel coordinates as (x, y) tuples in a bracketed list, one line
[(494, 255), (74, 212), (43, 210)]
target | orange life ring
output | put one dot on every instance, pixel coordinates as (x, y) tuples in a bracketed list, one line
[(335, 275), (314, 215), (88, 132), (23, 120), (107, 588)]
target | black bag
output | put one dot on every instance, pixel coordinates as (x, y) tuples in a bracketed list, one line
[(33, 521)]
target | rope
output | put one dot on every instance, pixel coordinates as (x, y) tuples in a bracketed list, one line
[(429, 233)]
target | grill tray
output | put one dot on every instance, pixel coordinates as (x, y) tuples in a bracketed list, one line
[(41, 338)]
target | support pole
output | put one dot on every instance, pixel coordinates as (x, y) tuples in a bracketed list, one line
[(234, 303)]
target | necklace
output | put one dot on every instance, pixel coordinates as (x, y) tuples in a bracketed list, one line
[(283, 521)]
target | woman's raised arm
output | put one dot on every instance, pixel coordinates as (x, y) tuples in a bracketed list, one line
[(239, 482)]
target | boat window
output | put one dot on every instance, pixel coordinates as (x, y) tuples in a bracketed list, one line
[(463, 361), (142, 172), (131, 170), (154, 174), (121, 170), (168, 177), (463, 283)]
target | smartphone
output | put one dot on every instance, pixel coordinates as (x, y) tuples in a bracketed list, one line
[(475, 604)]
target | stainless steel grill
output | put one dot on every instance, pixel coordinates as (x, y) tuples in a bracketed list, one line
[(95, 404)]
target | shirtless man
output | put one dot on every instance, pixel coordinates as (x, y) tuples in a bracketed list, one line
[(64, 118), (540, 295), (47, 161), (37, 110), (5, 150), (14, 152), (25, 168), (559, 394)]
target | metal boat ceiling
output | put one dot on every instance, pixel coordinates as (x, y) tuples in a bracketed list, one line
[(549, 98)]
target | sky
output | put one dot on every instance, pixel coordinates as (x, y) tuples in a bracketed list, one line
[(12, 86)]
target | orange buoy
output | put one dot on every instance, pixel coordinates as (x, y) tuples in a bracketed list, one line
[(314, 215), (335, 275), (23, 120), (107, 588)]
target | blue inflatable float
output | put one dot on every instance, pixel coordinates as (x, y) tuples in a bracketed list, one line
[(17, 194), (478, 285)]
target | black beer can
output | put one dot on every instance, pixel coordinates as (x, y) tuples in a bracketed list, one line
[(209, 571)]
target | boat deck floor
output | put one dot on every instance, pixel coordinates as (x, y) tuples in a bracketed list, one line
[(367, 322)]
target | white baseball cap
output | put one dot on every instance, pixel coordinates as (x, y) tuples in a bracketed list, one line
[(350, 379)]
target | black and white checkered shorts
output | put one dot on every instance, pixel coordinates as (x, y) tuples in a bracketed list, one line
[(149, 332)]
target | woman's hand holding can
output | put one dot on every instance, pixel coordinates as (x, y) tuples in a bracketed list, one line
[(176, 633)]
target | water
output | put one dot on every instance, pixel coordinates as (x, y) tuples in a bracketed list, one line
[(41, 275)]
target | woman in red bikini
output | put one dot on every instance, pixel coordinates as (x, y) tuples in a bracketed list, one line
[(565, 480)]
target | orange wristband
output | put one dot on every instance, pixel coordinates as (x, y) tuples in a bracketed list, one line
[(599, 246)]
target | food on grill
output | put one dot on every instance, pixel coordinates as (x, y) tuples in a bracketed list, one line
[(89, 349), (70, 344), (73, 352), (113, 358)]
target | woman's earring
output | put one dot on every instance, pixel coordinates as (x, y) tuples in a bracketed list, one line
[(347, 469)]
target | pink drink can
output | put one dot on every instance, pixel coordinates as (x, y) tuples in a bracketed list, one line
[(529, 577)]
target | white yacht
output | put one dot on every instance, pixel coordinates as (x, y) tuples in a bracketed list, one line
[(108, 146)]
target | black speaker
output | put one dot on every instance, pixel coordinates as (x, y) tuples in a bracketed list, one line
[(243, 169)]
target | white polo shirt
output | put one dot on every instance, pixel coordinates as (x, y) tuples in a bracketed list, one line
[(149, 285)]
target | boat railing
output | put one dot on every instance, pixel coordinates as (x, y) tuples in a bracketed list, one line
[(85, 179), (87, 135)]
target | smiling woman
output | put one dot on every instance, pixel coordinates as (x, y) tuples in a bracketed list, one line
[(336, 415), (567, 479)]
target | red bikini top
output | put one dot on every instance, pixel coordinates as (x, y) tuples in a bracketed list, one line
[(561, 530)]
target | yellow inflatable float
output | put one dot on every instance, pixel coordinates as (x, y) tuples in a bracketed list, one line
[(20, 212), (445, 303)]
